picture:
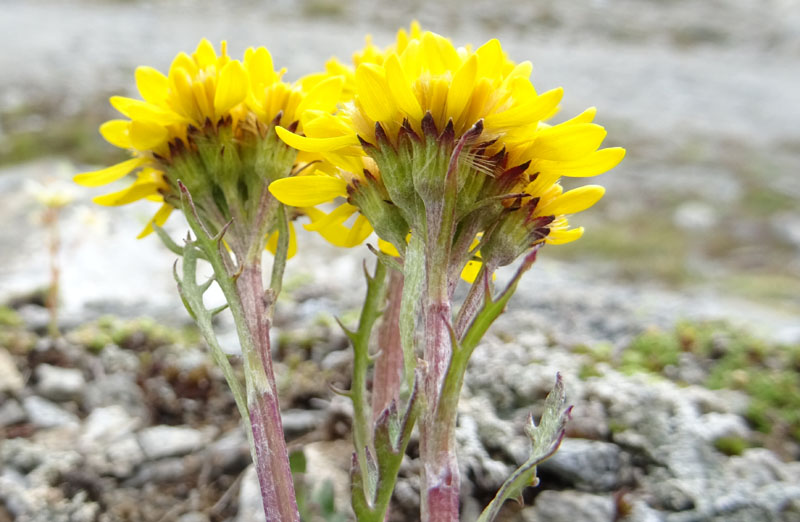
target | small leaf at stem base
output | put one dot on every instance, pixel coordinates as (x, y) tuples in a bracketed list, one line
[(545, 440)]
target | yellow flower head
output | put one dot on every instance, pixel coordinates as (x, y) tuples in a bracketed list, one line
[(425, 103), (180, 127)]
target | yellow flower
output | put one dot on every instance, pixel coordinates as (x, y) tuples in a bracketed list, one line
[(206, 99), (428, 93)]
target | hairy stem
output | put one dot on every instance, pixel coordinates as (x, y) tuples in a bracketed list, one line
[(270, 454), (387, 380), (250, 308)]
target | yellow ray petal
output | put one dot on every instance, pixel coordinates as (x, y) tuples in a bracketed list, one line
[(108, 174), (572, 201), (461, 87), (144, 111), (116, 133), (323, 96), (307, 191), (388, 248), (315, 144), (560, 237), (181, 99), (340, 235), (439, 53), (133, 193), (593, 164), (185, 62), (205, 55), (372, 89), (490, 59), (147, 136), (400, 88), (586, 116), (158, 219), (152, 84), (337, 217), (272, 242), (231, 88), (356, 235), (260, 68), (526, 113), (568, 142)]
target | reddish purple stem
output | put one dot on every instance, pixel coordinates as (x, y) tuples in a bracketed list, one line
[(272, 458)]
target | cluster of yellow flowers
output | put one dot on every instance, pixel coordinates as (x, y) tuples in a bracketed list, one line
[(353, 124)]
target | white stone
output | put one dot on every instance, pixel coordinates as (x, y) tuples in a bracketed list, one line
[(694, 215), (44, 414), (123, 456), (11, 413), (59, 384), (251, 508), (105, 425), (159, 442), (10, 378)]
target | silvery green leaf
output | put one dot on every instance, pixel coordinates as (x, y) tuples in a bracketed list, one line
[(545, 440)]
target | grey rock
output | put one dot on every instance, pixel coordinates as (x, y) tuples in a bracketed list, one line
[(108, 442), (589, 421), (762, 467), (164, 471), (474, 459), (10, 378), (159, 442), (570, 506), (35, 318), (45, 414), (11, 413), (59, 384), (116, 389), (587, 465), (122, 457), (336, 359), (659, 421), (115, 359), (328, 462), (36, 465), (674, 494), (40, 503), (641, 512), (713, 426), (231, 450), (299, 422), (106, 425)]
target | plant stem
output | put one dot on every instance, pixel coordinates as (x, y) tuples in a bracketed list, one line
[(54, 247), (440, 474), (441, 479), (269, 452), (250, 308), (388, 376), (362, 417)]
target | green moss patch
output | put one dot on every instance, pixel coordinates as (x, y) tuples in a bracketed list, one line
[(732, 359)]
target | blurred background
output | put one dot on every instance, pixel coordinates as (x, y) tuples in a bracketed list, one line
[(701, 221), (704, 95)]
